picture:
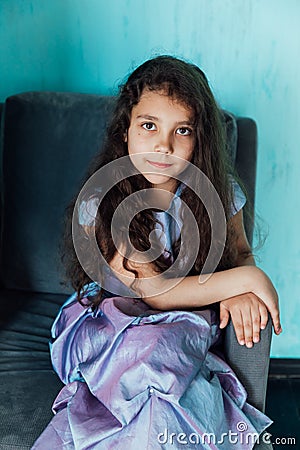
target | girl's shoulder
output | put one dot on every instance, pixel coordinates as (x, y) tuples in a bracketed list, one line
[(239, 198), (88, 208)]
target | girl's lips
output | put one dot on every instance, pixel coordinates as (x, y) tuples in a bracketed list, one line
[(160, 165)]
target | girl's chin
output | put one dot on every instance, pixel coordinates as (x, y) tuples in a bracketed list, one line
[(161, 181), (157, 178)]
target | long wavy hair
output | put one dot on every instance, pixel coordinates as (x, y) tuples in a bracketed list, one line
[(187, 84)]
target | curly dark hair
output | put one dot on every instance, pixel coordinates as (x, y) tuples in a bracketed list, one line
[(187, 84)]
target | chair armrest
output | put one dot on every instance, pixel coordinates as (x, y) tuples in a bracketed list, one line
[(251, 365)]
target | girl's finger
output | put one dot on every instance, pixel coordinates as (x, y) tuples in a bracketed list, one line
[(224, 316), (275, 319), (256, 322), (264, 317), (248, 326), (237, 321)]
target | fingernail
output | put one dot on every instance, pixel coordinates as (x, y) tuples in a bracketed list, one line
[(256, 339), (249, 344), (242, 342), (262, 327)]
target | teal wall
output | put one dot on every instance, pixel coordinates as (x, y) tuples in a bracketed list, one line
[(250, 50)]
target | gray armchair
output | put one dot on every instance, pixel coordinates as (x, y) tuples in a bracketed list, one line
[(47, 141)]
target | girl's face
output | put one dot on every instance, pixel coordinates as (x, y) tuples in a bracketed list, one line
[(160, 138)]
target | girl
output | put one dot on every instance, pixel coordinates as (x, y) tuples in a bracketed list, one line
[(133, 343)]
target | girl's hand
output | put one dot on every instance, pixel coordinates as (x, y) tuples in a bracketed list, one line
[(249, 315), (263, 288), (249, 310)]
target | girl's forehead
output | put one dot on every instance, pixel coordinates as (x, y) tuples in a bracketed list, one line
[(152, 99)]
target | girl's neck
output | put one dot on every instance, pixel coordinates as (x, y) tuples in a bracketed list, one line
[(162, 196)]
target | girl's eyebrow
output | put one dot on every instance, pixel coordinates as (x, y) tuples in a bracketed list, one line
[(148, 117)]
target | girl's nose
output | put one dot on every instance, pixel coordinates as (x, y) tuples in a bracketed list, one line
[(164, 145)]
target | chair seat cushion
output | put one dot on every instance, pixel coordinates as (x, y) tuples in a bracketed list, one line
[(28, 384)]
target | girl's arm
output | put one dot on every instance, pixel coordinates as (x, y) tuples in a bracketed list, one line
[(248, 312), (195, 292), (244, 253), (244, 292)]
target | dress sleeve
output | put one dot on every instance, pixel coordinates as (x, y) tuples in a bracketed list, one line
[(239, 198), (88, 211)]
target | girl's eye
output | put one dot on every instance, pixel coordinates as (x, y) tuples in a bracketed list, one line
[(149, 126), (184, 131)]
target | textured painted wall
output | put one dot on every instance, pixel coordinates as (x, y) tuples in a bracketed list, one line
[(250, 50)]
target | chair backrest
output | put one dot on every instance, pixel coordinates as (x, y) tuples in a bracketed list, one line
[(48, 140)]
